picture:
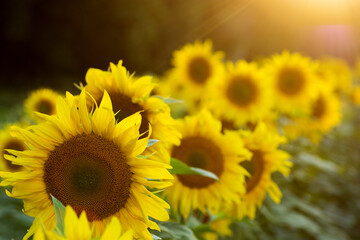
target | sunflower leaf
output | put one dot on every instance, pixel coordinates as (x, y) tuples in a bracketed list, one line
[(154, 237), (169, 100), (152, 142), (173, 230), (181, 168), (60, 216)]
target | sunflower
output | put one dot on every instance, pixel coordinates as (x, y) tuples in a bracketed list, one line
[(335, 73), (78, 228), (218, 227), (9, 142), (88, 161), (266, 159), (195, 66), (242, 96), (42, 100), (294, 81), (325, 115), (355, 95), (203, 146), (130, 95)]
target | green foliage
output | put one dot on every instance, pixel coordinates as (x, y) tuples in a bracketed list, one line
[(173, 230), (152, 142), (168, 100), (14, 223), (181, 168), (60, 216)]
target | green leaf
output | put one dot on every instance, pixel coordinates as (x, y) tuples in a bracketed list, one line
[(173, 230), (181, 168), (145, 156), (60, 216), (154, 237), (169, 100), (316, 161), (152, 142)]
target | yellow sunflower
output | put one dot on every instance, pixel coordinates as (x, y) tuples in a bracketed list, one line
[(294, 81), (88, 161), (266, 159), (130, 95), (42, 100), (242, 96), (203, 146), (9, 142), (355, 95), (78, 228), (218, 227), (325, 115), (195, 66), (335, 73)]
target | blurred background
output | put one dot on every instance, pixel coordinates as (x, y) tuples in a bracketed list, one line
[(53, 43)]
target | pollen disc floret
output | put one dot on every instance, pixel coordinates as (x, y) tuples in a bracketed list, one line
[(89, 162), (7, 142), (89, 173), (43, 101), (266, 159), (203, 146), (242, 95)]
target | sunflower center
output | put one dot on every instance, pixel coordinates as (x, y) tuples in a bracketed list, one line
[(124, 107), (256, 168), (201, 153), (199, 70), (291, 81), (45, 106), (319, 108), (241, 91), (227, 125), (89, 173), (15, 145)]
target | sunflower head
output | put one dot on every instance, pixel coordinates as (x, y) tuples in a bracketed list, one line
[(242, 95), (195, 67), (42, 101), (336, 74), (8, 143), (129, 95), (203, 146), (90, 162), (324, 115), (266, 159), (197, 63), (293, 80)]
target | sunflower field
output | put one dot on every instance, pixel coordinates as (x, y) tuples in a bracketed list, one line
[(208, 144)]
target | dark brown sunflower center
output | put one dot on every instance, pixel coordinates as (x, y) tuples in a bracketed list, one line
[(201, 153), (124, 107), (319, 108), (227, 125), (45, 106), (256, 168), (199, 70), (89, 173), (291, 81), (15, 145), (241, 91)]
